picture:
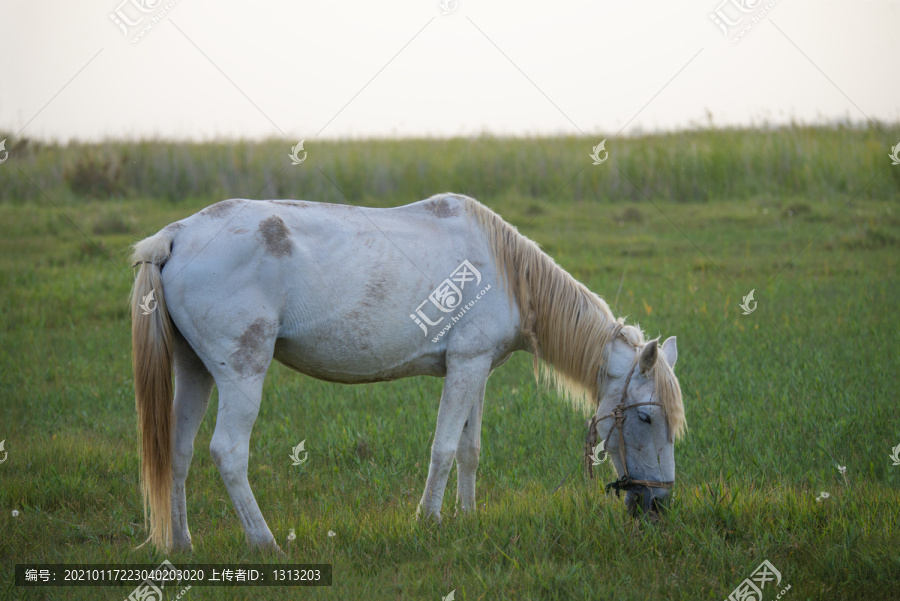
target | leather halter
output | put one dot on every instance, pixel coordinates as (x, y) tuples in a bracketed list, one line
[(625, 482)]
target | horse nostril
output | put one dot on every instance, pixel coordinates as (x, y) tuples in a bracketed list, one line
[(660, 499)]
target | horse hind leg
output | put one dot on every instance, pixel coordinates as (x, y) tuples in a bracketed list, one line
[(193, 385), (239, 378), (230, 448)]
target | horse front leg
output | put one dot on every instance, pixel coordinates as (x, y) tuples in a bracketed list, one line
[(467, 456), (463, 385)]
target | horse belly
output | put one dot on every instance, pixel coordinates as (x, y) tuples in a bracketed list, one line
[(357, 364)]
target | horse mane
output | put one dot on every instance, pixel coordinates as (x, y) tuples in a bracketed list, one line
[(570, 329)]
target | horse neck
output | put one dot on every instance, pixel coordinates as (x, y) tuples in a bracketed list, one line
[(572, 330)]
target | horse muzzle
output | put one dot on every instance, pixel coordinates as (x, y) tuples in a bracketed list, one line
[(646, 500)]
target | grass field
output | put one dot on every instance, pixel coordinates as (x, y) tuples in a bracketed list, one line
[(775, 400)]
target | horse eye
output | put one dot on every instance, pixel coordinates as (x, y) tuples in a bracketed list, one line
[(644, 417)]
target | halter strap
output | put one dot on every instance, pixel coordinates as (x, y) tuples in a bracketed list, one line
[(618, 414)]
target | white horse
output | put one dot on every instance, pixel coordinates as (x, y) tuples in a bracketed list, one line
[(441, 287)]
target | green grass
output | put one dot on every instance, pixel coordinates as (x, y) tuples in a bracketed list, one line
[(774, 400)]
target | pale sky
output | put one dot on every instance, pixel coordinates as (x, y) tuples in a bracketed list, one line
[(313, 69)]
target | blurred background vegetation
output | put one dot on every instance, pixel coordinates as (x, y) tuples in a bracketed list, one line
[(688, 166)]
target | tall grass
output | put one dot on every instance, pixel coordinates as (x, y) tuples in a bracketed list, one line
[(688, 166)]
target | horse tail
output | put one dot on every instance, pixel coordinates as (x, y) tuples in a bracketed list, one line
[(152, 344)]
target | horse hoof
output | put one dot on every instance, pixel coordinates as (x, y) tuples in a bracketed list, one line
[(188, 548), (428, 518), (182, 545), (273, 549)]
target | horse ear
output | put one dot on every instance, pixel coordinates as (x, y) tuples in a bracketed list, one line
[(648, 356), (670, 350)]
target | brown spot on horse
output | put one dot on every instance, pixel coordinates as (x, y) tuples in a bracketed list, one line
[(220, 209), (291, 203), (441, 207), (252, 356), (276, 236)]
